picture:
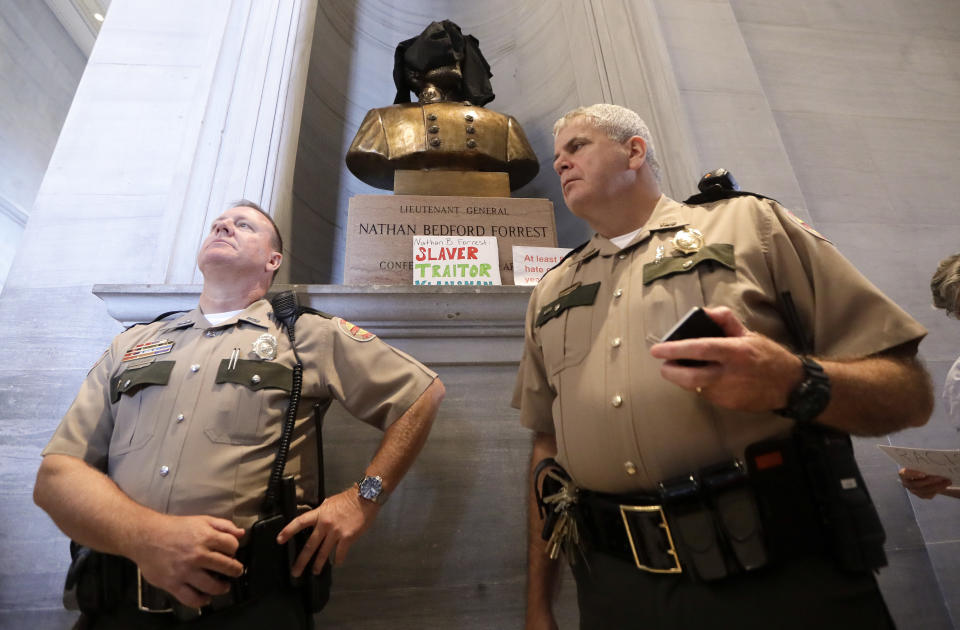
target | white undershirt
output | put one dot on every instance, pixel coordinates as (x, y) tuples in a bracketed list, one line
[(624, 239), (218, 318)]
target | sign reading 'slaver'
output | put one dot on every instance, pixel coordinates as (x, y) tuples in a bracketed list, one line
[(380, 231)]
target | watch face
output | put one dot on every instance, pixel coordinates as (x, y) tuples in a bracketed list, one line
[(370, 488)]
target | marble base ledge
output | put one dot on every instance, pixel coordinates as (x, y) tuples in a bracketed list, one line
[(437, 324)]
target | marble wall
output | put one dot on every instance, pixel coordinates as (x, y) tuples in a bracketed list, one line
[(40, 67)]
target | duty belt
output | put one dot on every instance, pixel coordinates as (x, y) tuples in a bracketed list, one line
[(637, 531), (706, 524), (114, 582)]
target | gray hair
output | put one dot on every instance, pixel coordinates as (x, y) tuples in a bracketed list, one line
[(618, 123), (945, 285)]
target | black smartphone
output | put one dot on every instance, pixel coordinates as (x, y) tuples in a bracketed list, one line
[(696, 323)]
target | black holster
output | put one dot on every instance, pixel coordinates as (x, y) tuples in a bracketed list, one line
[(816, 466), (93, 583), (854, 533), (267, 568)]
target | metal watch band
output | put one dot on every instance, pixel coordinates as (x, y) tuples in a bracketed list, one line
[(370, 487)]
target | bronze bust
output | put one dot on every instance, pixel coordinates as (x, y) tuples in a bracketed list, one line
[(448, 129)]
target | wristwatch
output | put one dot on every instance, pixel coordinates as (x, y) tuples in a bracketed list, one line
[(811, 396), (370, 488)]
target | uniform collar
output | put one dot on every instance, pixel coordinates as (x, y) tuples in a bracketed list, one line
[(258, 314), (666, 215), (184, 321)]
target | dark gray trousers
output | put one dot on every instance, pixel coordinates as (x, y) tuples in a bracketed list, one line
[(804, 593), (278, 611)]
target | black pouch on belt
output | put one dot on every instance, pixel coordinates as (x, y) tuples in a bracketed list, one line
[(692, 528), (736, 508)]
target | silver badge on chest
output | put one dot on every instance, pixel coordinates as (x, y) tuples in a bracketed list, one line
[(265, 347)]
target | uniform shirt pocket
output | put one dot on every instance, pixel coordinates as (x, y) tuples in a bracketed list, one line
[(131, 391), (565, 326), (674, 285), (247, 392)]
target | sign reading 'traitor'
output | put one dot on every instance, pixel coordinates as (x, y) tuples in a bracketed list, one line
[(455, 260)]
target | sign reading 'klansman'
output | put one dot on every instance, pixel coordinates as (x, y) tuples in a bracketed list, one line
[(380, 230)]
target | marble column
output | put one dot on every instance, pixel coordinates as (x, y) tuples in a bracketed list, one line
[(183, 107)]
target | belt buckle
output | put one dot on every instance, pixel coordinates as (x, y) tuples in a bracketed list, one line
[(140, 605), (676, 568)]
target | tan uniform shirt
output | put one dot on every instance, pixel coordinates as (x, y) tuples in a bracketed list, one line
[(587, 374), (194, 429)]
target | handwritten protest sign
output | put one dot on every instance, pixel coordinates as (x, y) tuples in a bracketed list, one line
[(530, 263), (454, 260), (945, 463)]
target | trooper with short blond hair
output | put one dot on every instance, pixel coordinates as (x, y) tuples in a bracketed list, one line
[(676, 492), (162, 463)]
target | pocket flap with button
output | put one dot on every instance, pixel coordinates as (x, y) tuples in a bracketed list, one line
[(721, 253), (130, 380), (584, 295), (255, 375)]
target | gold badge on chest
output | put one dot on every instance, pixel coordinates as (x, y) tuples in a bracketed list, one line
[(688, 240)]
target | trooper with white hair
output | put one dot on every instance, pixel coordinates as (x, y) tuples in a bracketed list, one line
[(698, 481)]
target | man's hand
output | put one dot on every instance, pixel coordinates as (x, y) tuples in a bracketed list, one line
[(921, 484), (190, 557), (872, 395), (746, 371), (338, 522)]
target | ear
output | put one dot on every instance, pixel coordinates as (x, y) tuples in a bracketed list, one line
[(273, 262), (636, 152)]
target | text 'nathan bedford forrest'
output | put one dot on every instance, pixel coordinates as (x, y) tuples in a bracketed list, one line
[(443, 229)]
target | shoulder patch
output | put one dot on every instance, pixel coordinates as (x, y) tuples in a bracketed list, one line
[(353, 331), (806, 226)]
